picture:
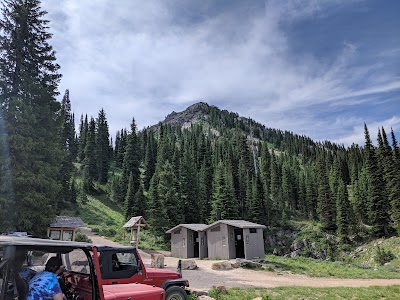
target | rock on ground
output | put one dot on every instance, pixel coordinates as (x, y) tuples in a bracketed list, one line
[(189, 265), (221, 265)]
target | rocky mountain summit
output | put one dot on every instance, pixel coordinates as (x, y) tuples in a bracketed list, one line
[(193, 114)]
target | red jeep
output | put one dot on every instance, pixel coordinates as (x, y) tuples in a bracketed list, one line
[(120, 265), (81, 279)]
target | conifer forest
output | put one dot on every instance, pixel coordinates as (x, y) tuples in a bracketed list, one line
[(170, 173)]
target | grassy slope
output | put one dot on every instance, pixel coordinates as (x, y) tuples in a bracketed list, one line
[(289, 293), (315, 268), (107, 218)]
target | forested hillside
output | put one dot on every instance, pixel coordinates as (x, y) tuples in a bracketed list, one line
[(186, 169), (205, 160)]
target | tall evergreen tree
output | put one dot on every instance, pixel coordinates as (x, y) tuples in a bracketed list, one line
[(188, 187), (156, 211), (377, 200), (28, 85), (83, 132), (393, 182), (129, 205), (326, 205), (89, 163), (102, 147), (150, 154), (343, 210), (168, 197), (131, 161), (67, 135)]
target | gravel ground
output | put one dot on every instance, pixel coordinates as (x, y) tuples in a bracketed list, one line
[(204, 278)]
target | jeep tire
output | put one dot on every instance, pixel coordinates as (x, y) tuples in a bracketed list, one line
[(176, 293)]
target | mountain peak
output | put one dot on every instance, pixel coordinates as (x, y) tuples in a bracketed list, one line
[(190, 115)]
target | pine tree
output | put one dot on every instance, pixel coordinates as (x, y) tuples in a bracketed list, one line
[(326, 205), (204, 193), (311, 195), (140, 203), (188, 187), (393, 184), (156, 210), (83, 132), (131, 161), (256, 207), (217, 192), (377, 201), (129, 206), (265, 174), (275, 184), (102, 147), (28, 85), (360, 188), (89, 163), (149, 159), (342, 207), (120, 149), (67, 135), (168, 197)]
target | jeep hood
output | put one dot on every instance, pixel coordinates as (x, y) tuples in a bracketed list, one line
[(161, 273), (133, 291)]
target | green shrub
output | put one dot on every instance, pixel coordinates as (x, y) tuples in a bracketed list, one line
[(81, 237), (383, 256), (95, 230), (109, 232)]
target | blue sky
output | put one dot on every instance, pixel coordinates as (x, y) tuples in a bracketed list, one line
[(319, 68)]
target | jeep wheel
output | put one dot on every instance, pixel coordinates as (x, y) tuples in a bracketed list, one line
[(176, 293)]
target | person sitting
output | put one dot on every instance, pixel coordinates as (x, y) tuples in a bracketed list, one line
[(23, 274), (45, 285)]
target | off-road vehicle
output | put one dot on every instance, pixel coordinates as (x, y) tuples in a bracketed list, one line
[(81, 277), (120, 265)]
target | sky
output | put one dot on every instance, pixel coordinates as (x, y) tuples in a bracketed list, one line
[(320, 68)]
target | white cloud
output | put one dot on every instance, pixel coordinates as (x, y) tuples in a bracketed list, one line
[(357, 134), (133, 58)]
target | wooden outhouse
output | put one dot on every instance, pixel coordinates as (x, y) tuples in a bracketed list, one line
[(64, 228), (228, 239), (189, 240), (134, 224)]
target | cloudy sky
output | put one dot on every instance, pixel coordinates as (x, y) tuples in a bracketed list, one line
[(315, 67)]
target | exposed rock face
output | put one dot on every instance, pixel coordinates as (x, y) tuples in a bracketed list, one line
[(295, 253), (189, 265), (222, 265), (296, 246), (192, 114), (157, 260)]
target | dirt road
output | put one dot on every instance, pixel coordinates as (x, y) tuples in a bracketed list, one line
[(204, 278)]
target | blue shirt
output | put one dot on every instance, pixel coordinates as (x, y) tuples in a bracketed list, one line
[(43, 286), (27, 274)]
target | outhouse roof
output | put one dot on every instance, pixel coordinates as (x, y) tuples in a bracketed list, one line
[(67, 222), (194, 227), (237, 223), (135, 220)]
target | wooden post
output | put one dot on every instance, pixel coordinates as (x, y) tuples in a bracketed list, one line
[(137, 235)]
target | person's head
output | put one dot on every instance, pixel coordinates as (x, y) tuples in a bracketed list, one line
[(53, 264)]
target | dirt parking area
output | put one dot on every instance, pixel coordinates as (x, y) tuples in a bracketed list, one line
[(204, 278)]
